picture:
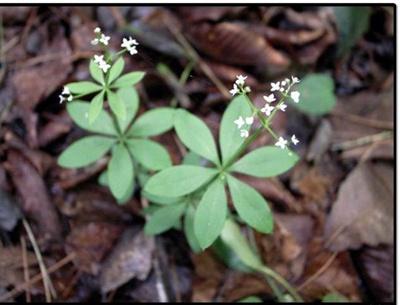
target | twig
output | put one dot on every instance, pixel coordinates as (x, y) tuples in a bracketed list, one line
[(362, 141), (363, 121), (26, 269), (48, 286), (318, 272), (37, 278)]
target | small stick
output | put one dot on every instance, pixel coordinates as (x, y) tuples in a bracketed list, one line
[(26, 269), (363, 121), (362, 141)]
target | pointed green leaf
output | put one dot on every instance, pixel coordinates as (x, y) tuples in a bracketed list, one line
[(161, 200), (211, 214), (153, 122), (96, 72), (84, 87), (85, 151), (229, 135), (117, 106), (179, 180), (267, 161), (188, 226), (164, 218), (120, 171), (195, 134), (130, 99), (149, 153), (116, 70), (79, 111), (103, 180), (250, 205), (334, 298), (96, 106), (128, 79), (317, 94)]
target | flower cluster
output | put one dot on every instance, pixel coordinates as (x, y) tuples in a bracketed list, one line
[(103, 65), (130, 45), (281, 87), (65, 95), (100, 37), (239, 86)]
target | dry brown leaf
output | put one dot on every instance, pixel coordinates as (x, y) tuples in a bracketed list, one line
[(130, 258), (363, 212)]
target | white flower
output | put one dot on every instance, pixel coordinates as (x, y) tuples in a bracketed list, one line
[(295, 95), (97, 30), (270, 98), (95, 41), (244, 133), (247, 89), (267, 109), (98, 59), (240, 80), (275, 86), (294, 140), (249, 120), (69, 98), (282, 89), (62, 99), (66, 90), (239, 122), (283, 83), (235, 90), (132, 50), (295, 80), (130, 44), (104, 39), (281, 143), (104, 66), (282, 107)]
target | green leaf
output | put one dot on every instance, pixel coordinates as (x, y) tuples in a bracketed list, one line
[(96, 72), (229, 135), (130, 99), (195, 134), (191, 158), (160, 199), (128, 79), (251, 299), (267, 161), (116, 70), (164, 218), (234, 239), (85, 151), (104, 124), (149, 153), (179, 180), (352, 22), (117, 106), (96, 106), (153, 122), (228, 256), (250, 205), (84, 87), (334, 298), (317, 95), (188, 226), (211, 214), (120, 171)]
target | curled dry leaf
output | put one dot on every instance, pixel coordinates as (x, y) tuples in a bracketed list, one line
[(35, 201), (233, 43), (363, 212), (130, 258)]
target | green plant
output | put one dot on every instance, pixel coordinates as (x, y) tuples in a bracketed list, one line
[(116, 131)]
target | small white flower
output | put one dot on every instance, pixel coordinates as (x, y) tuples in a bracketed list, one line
[(294, 140), (282, 89), (95, 41), (62, 99), (283, 83), (104, 39), (97, 30), (240, 80), (239, 122), (270, 98), (247, 89), (281, 143), (235, 90), (249, 120), (130, 44), (98, 59), (282, 107), (69, 98), (244, 133), (66, 90), (275, 86), (267, 109), (132, 50), (295, 80), (295, 95), (104, 66)]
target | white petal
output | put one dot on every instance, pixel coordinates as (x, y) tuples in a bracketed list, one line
[(294, 140), (295, 95), (270, 98), (244, 133), (97, 30), (239, 122), (282, 107), (249, 120)]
